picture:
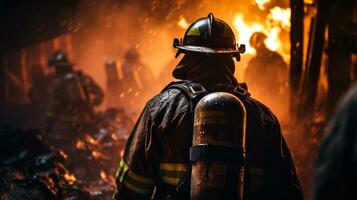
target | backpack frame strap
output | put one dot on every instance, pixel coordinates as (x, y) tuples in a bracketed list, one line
[(194, 92), (191, 89)]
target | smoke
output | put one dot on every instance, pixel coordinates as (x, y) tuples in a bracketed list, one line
[(106, 29)]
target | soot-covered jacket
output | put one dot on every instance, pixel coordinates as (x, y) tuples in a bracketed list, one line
[(156, 157)]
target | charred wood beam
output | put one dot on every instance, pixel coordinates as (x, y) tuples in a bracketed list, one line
[(313, 61), (296, 51), (340, 49)]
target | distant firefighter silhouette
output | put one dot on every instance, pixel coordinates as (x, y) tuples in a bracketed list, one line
[(73, 98), (267, 73), (137, 77)]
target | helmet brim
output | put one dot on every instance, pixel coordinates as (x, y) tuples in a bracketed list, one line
[(208, 50)]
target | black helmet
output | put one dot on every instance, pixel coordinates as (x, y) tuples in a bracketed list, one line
[(209, 35), (59, 59)]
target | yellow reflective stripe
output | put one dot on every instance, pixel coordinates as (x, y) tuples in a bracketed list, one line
[(171, 181), (123, 168), (140, 179), (136, 189), (133, 181), (193, 31), (173, 167), (172, 173), (121, 163)]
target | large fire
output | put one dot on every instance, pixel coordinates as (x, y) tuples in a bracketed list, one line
[(261, 3), (277, 19), (183, 23)]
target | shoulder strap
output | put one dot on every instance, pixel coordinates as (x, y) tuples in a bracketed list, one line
[(194, 92)]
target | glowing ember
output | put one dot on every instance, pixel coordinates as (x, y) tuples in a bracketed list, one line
[(80, 145), (70, 178), (90, 139), (280, 16), (114, 136), (63, 154), (103, 176), (261, 3), (96, 154), (183, 23)]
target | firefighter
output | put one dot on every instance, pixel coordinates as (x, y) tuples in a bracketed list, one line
[(162, 158), (73, 98), (113, 82), (336, 166), (267, 74), (137, 77)]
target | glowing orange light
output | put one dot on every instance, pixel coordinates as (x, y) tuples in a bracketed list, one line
[(63, 154), (70, 178), (280, 16), (103, 176), (80, 144), (96, 154), (261, 3), (245, 31), (121, 153), (90, 139), (278, 19), (309, 1), (183, 23)]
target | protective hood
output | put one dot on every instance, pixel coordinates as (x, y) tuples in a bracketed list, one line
[(209, 70)]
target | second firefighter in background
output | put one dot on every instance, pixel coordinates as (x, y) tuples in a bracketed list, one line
[(74, 96)]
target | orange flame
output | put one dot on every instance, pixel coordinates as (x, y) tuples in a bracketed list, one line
[(103, 176), (97, 154), (261, 3), (91, 140), (245, 31), (280, 16), (70, 178), (80, 145), (183, 23), (277, 20), (63, 154)]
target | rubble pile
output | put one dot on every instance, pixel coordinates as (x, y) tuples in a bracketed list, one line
[(32, 168)]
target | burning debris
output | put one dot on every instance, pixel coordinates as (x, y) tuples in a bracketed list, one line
[(31, 168)]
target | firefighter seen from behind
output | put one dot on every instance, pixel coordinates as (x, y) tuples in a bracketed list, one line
[(204, 137)]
